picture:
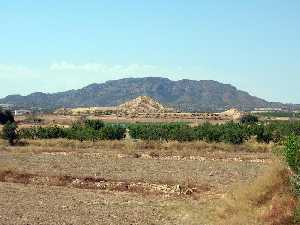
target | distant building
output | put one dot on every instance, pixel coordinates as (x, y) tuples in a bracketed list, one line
[(21, 112), (6, 106), (262, 110)]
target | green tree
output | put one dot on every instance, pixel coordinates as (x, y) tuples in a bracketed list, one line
[(6, 116), (9, 132), (263, 134), (291, 152), (249, 119), (94, 124)]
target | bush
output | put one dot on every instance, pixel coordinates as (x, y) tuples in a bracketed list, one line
[(234, 133), (112, 133), (9, 132), (210, 133), (249, 119), (263, 134), (33, 119), (182, 134), (94, 124), (82, 134), (295, 181), (291, 152), (6, 116), (166, 132)]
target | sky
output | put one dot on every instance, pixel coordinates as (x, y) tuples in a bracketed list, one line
[(52, 46)]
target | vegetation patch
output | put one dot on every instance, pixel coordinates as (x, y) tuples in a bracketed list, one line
[(88, 130), (230, 132), (267, 200)]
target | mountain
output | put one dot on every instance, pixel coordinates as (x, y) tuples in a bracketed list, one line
[(185, 95)]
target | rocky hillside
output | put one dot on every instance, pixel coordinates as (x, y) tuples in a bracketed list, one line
[(184, 95)]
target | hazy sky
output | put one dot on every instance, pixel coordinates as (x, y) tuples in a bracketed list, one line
[(54, 46)]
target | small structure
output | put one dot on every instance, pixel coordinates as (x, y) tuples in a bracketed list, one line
[(6, 106), (264, 110), (21, 112), (87, 111)]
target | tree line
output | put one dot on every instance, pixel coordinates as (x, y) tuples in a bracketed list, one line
[(93, 130), (230, 132), (88, 130)]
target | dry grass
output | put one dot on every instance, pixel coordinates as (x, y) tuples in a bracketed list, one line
[(198, 150), (165, 148), (268, 200), (51, 205), (152, 170)]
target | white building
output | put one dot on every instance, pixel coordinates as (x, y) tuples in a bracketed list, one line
[(6, 106), (21, 112)]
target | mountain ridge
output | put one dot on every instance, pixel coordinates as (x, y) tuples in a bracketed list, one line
[(184, 95)]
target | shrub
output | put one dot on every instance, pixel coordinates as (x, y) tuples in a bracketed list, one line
[(263, 134), (234, 133), (9, 132), (211, 133), (82, 134), (77, 125), (295, 181), (182, 134), (156, 131), (285, 128), (277, 137), (33, 119), (112, 133), (94, 124), (249, 119), (6, 116), (291, 152)]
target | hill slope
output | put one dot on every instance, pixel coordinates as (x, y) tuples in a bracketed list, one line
[(186, 95)]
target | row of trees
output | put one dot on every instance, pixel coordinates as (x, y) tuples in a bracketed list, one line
[(233, 133), (81, 130), (87, 130)]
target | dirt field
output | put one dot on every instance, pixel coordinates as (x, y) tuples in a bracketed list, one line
[(69, 182), (52, 119)]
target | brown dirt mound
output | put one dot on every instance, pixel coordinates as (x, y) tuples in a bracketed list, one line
[(233, 113), (142, 104)]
